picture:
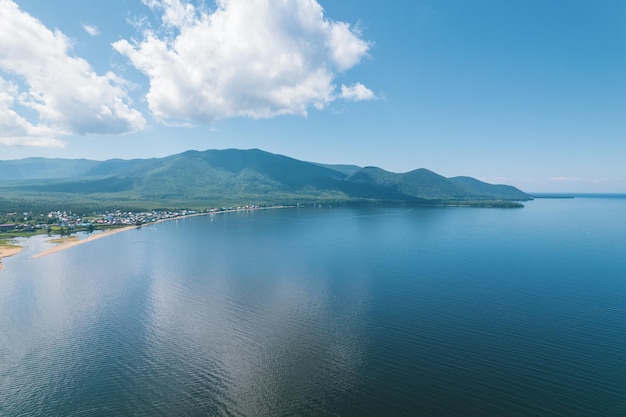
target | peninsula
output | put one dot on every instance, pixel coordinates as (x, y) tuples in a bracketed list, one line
[(107, 224), (8, 250), (75, 242), (63, 196)]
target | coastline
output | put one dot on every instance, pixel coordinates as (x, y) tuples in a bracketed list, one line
[(70, 243), (8, 250)]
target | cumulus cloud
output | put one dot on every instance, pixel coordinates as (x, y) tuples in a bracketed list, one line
[(53, 94), (253, 58), (16, 130), (91, 30), (357, 92)]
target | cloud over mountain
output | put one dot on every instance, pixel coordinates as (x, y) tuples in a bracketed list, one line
[(52, 93), (252, 58)]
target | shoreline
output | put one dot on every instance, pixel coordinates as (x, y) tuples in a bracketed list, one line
[(8, 250), (72, 243)]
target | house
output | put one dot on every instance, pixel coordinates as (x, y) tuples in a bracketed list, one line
[(6, 227)]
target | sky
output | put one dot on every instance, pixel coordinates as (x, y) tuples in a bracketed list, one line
[(529, 93)]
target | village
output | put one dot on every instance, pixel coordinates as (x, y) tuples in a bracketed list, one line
[(64, 222)]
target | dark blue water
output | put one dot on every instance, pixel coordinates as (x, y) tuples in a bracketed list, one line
[(326, 312)]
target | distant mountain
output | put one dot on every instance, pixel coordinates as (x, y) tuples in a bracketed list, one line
[(489, 191), (235, 176), (38, 168)]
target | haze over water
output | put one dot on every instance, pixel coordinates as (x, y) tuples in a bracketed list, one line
[(342, 311)]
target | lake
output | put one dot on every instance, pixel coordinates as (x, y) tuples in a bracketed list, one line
[(326, 312)]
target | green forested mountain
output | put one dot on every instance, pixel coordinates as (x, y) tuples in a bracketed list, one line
[(487, 190), (38, 168), (226, 177)]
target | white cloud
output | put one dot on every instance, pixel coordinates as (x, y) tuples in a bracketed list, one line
[(54, 94), (566, 179), (254, 58), (91, 30), (16, 130), (357, 92)]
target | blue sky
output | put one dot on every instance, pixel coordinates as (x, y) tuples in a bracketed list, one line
[(529, 93)]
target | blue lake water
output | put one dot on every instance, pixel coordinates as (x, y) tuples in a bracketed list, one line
[(326, 312)]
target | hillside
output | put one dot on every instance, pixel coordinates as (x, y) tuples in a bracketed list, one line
[(226, 177)]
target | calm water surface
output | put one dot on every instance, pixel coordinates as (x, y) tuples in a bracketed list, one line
[(326, 312)]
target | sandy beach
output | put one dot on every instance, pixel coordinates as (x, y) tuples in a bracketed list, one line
[(72, 242), (66, 243), (6, 251)]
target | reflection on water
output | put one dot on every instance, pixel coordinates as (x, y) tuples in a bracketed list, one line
[(326, 312)]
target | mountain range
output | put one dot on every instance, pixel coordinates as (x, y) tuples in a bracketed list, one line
[(234, 177)]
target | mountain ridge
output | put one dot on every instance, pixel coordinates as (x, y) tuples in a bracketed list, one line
[(238, 176)]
